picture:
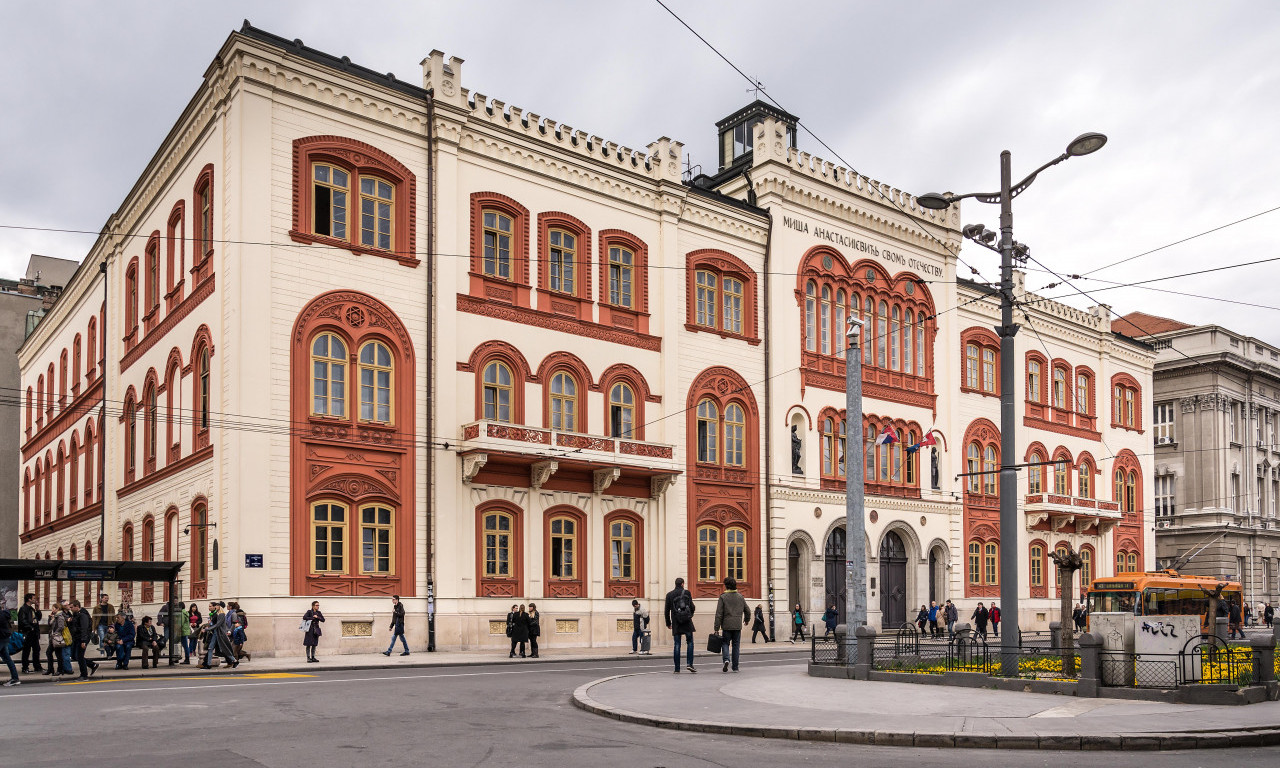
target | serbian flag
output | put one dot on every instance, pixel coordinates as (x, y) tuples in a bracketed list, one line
[(926, 442), (887, 436)]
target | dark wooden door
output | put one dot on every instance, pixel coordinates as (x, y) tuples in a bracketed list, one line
[(893, 581), (833, 555)]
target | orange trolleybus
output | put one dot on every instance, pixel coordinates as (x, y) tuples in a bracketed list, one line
[(1160, 593)]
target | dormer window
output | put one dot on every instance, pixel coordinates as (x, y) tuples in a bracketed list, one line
[(737, 131)]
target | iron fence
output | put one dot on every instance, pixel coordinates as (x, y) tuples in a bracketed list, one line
[(825, 651)]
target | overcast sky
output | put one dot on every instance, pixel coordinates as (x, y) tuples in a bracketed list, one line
[(923, 96)]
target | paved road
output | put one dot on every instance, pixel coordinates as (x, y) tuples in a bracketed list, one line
[(461, 716)]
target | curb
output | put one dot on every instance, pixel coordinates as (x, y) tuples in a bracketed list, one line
[(1242, 737), (171, 673)]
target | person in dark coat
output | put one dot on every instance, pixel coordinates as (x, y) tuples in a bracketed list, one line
[(1233, 622), (126, 636), (218, 632), (29, 625), (312, 637), (829, 619), (519, 631), (81, 634), (758, 626), (922, 618), (511, 628), (397, 627), (980, 617), (680, 624), (797, 624), (1268, 615), (149, 643), (535, 630)]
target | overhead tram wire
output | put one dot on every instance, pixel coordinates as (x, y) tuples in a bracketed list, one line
[(1136, 283), (1179, 242), (925, 226)]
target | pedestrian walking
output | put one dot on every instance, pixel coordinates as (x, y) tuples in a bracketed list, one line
[(82, 632), (797, 624), (980, 617), (103, 617), (1248, 616), (1077, 617), (29, 616), (639, 624), (126, 636), (677, 612), (922, 619), (311, 621), (535, 630), (6, 631), (1233, 622), (148, 641), (829, 619), (58, 651), (758, 626), (994, 613), (1268, 615), (397, 627), (950, 615), (933, 619), (732, 615)]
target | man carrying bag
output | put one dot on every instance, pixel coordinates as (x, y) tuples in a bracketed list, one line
[(731, 616)]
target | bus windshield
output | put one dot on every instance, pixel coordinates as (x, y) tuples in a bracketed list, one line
[(1112, 602)]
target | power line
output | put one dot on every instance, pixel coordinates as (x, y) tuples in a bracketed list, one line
[(1138, 283), (1179, 242)]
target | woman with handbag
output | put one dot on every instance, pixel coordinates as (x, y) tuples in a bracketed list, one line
[(311, 621), (797, 624), (519, 631), (511, 628), (758, 625), (58, 654), (192, 634)]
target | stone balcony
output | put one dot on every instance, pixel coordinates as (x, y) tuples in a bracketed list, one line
[(552, 457), (1061, 511)]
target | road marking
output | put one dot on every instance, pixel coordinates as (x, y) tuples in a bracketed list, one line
[(242, 676), (234, 682)]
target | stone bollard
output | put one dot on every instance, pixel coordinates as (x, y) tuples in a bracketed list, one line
[(1264, 659), (866, 637), (1055, 635), (1090, 665), (842, 650), (1220, 628)]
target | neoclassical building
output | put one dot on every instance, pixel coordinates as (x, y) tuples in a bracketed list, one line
[(357, 337)]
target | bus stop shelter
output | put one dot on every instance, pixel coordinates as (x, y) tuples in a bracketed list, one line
[(105, 571)]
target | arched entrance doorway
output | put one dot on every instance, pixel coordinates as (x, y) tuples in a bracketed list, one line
[(934, 565), (794, 576), (833, 555), (893, 581)]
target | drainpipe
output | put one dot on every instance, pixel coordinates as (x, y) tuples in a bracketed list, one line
[(431, 313), (768, 407)]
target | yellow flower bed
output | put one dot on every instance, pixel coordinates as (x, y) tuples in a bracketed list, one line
[(1033, 666)]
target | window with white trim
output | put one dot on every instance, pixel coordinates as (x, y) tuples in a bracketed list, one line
[(1163, 423)]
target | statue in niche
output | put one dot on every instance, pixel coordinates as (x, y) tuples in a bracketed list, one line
[(796, 469), (933, 468)]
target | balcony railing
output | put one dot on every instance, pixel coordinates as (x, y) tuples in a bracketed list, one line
[(1063, 510), (497, 436)]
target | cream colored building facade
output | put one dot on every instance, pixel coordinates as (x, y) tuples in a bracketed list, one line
[(390, 342)]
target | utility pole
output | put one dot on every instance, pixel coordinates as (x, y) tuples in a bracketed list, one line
[(1010, 637)]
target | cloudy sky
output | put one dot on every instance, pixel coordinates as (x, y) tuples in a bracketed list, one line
[(921, 95)]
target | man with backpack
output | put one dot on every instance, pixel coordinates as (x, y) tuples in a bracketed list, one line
[(81, 634), (678, 613)]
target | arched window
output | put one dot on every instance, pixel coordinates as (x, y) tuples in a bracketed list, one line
[(1035, 474), (971, 376), (199, 533), (882, 334), (329, 537), (1126, 403), (75, 365), (148, 554), (624, 555), (1133, 562), (708, 435), (1036, 565), (126, 542), (1061, 479), (151, 416), (990, 470), (735, 553), (1086, 479), (175, 251), (1086, 568), (497, 545), (828, 447), (377, 200), (1117, 487), (708, 553), (1061, 551), (497, 392), (62, 379), (92, 338), (1059, 388), (40, 401), (59, 479), (908, 335), (973, 461), (131, 300), (130, 437), (1035, 385), (73, 474), (499, 556), (351, 194), (895, 338), (328, 376), (376, 390), (991, 560), (706, 282), (1121, 561), (202, 391), (810, 316), (734, 435), (30, 410), (975, 563), (89, 450), (497, 244), (153, 276), (1131, 493), (564, 402), (1082, 394), (622, 410), (910, 439), (377, 532), (203, 196), (824, 320)]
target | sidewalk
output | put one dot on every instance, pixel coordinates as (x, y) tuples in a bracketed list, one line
[(784, 702), (372, 661)]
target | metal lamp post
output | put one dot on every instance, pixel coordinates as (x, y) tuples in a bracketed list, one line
[(855, 526), (1084, 144)]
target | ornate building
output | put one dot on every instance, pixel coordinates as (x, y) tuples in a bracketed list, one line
[(364, 338)]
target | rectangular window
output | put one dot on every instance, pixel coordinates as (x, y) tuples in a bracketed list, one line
[(329, 537), (330, 186), (988, 370), (621, 551), (1082, 394), (1164, 495), (562, 262), (1232, 422), (497, 245), (975, 563), (708, 554), (1033, 381), (971, 366), (1130, 418), (992, 558), (1037, 566), (497, 545), (735, 553), (1163, 423), (1059, 388), (563, 540), (375, 540), (375, 213)]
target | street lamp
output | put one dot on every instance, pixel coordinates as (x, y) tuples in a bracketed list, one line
[(1084, 144), (855, 521)]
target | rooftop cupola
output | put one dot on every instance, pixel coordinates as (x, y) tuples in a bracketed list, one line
[(737, 131)]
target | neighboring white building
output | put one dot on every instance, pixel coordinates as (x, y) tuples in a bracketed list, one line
[(412, 340)]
